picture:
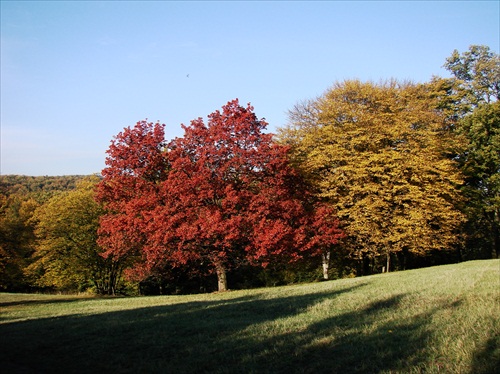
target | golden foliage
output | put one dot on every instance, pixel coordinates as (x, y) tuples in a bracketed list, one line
[(66, 255), (381, 154)]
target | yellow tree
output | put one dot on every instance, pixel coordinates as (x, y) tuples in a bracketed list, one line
[(380, 154), (16, 239), (67, 255)]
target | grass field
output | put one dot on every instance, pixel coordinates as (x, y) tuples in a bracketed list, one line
[(435, 320)]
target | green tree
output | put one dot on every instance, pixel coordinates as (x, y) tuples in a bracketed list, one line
[(481, 166), (376, 152), (478, 73), (473, 94), (67, 255)]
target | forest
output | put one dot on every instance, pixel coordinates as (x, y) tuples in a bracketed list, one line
[(368, 177)]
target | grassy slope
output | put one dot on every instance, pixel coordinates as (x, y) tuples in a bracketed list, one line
[(442, 319)]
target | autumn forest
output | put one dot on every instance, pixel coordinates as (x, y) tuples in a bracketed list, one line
[(369, 177)]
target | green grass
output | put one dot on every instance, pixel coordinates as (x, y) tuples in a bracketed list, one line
[(436, 320)]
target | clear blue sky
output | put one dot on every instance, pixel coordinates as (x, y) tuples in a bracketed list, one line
[(74, 74)]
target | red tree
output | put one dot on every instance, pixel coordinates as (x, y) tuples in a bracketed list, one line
[(224, 193), (324, 232), (136, 163)]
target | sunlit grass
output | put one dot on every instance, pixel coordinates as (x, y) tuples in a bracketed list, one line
[(435, 320)]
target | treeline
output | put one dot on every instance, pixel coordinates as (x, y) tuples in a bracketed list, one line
[(413, 170), (20, 197), (366, 178), (39, 188)]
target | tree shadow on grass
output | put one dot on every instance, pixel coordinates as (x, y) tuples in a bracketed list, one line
[(225, 336), (10, 306), (348, 343), (487, 359), (43, 302)]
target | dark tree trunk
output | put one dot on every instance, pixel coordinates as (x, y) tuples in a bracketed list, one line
[(496, 241), (367, 264)]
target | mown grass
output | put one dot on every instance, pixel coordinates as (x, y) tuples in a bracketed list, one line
[(436, 320)]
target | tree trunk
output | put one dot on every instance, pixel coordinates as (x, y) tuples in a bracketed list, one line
[(405, 258), (496, 235), (221, 276), (388, 261), (367, 269), (496, 242), (326, 264)]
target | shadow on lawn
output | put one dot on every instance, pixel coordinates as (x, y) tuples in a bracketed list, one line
[(42, 302), (487, 359), (336, 345), (223, 336)]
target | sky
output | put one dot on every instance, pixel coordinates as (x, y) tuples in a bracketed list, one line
[(76, 73)]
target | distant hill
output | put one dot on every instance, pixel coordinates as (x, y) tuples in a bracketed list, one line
[(37, 186)]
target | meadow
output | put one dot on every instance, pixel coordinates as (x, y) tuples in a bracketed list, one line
[(441, 319)]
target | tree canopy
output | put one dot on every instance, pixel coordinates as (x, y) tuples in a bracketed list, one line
[(476, 84), (478, 73), (368, 176), (480, 164), (378, 152), (223, 193), (67, 255)]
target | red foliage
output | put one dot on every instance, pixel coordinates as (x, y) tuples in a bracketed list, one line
[(136, 163), (323, 230), (223, 193)]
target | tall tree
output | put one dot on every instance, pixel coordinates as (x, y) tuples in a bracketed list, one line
[(478, 72), (481, 166), (376, 153), (67, 255), (224, 194), (136, 163), (477, 81)]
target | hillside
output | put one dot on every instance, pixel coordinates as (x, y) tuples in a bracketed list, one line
[(439, 319), (23, 185)]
